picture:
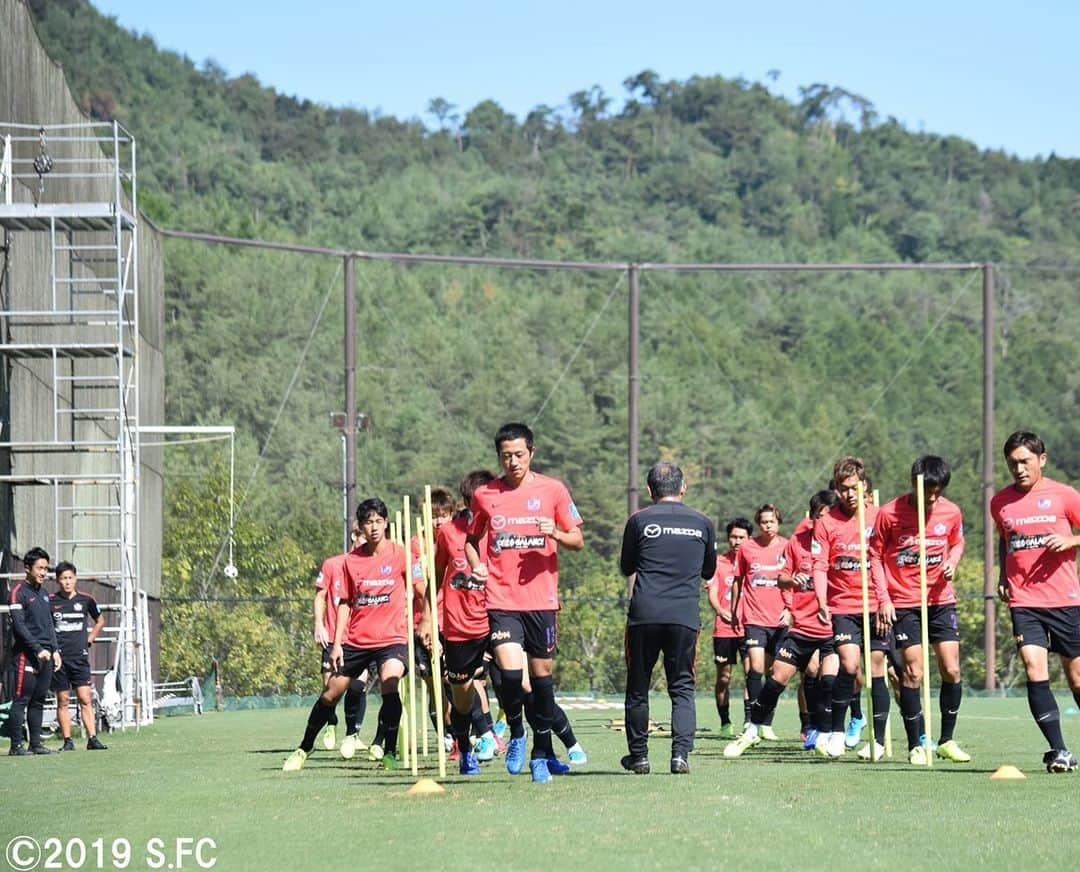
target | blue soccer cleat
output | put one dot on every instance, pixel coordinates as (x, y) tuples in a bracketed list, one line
[(556, 766), (515, 756), (577, 755), (854, 731), (811, 739), (539, 769), (468, 765)]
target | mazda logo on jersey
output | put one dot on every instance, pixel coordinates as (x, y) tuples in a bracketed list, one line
[(533, 504), (498, 522), (461, 564), (651, 531)]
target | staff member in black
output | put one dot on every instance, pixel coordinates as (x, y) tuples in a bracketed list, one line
[(36, 653), (71, 608), (668, 548)]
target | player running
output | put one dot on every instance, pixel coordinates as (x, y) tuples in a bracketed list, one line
[(522, 518), (70, 610), (727, 640), (1035, 517), (894, 560), (808, 634), (757, 602), (370, 631), (838, 584)]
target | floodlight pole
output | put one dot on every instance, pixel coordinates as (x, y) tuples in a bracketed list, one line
[(632, 385), (989, 583), (349, 431)]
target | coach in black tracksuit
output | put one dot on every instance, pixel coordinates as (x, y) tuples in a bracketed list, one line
[(36, 653), (669, 548)]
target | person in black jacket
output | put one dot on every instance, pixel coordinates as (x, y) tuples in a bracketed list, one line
[(668, 548), (36, 653)]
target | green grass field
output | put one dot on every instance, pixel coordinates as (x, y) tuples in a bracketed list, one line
[(218, 776)]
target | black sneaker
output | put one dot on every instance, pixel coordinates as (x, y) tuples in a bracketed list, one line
[(39, 749), (1061, 761), (679, 766), (68, 745), (637, 765), (19, 750), (94, 744)]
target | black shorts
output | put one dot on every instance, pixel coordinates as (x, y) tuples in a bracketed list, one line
[(72, 673), (797, 650), (356, 660), (462, 660), (1057, 629), (847, 630), (761, 637), (536, 632), (422, 657), (726, 649), (942, 620)]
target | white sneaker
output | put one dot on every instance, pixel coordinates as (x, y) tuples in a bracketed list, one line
[(768, 734), (329, 738), (821, 745), (835, 746), (879, 752)]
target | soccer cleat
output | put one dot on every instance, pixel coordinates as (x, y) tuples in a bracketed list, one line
[(500, 746), (927, 743), (295, 761), (390, 762), (348, 746), (515, 756), (39, 749), (727, 731), (577, 756), (468, 764), (951, 751), (918, 756), (767, 733), (19, 751), (864, 751), (95, 744), (746, 741), (329, 739), (500, 725), (556, 766), (485, 747), (679, 766), (375, 752), (810, 740), (854, 731), (448, 743), (637, 765), (538, 767), (68, 745), (1061, 761), (455, 754), (835, 745)]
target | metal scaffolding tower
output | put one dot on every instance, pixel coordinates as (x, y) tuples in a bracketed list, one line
[(69, 343)]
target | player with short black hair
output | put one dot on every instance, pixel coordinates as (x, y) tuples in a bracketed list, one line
[(370, 631), (522, 518), (727, 639), (894, 559), (37, 653), (667, 548), (1035, 517), (70, 610)]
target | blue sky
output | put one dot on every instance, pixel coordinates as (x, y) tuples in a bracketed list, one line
[(1002, 74)]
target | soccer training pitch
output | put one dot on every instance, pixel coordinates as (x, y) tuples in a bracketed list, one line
[(218, 777)]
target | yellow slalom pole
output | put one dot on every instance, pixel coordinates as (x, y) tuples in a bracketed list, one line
[(920, 506), (407, 514), (436, 645), (864, 577)]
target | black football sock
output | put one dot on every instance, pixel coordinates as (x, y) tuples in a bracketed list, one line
[(911, 712), (512, 701), (765, 704), (1045, 711), (560, 726), (459, 726), (543, 691), (856, 704), (841, 699), (950, 707), (479, 718), (823, 714), (724, 710), (753, 687), (317, 719), (355, 706), (879, 690), (390, 720)]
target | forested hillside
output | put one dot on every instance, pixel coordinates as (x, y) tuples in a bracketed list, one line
[(754, 382)]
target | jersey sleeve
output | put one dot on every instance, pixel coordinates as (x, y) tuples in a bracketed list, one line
[(92, 608), (956, 540), (567, 515), (628, 558), (822, 539), (1072, 506), (479, 521), (708, 564)]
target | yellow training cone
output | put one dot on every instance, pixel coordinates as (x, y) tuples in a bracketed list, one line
[(1008, 773), (428, 787)]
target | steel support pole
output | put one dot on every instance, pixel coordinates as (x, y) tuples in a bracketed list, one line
[(350, 385), (989, 534), (632, 383)]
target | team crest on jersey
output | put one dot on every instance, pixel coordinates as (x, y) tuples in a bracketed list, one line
[(78, 607), (939, 528), (1044, 503), (533, 504), (780, 560), (815, 546), (385, 568)]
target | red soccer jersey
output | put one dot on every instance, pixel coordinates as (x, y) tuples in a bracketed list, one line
[(329, 579), (760, 601), (799, 558), (725, 577), (462, 603), (837, 563), (523, 564), (895, 552), (1038, 578), (374, 588)]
